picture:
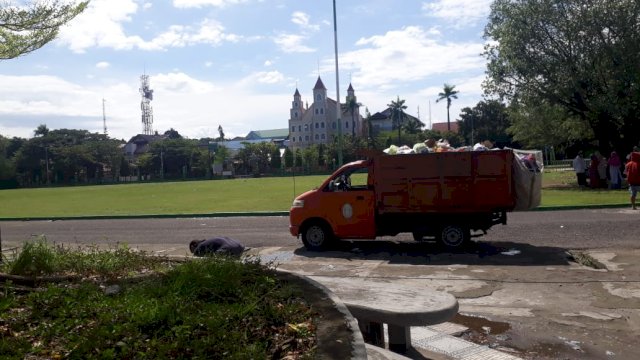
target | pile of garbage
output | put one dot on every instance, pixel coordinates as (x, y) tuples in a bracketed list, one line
[(527, 158), (431, 146)]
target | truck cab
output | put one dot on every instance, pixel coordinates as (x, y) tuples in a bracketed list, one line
[(342, 207)]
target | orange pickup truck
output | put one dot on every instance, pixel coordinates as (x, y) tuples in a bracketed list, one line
[(443, 195)]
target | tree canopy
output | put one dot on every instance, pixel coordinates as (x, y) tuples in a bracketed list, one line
[(488, 120), (24, 29), (581, 56)]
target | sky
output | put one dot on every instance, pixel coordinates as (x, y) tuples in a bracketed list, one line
[(237, 63)]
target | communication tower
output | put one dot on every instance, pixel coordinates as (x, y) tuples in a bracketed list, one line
[(104, 118), (145, 105)]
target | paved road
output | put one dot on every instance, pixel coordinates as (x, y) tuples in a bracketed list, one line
[(518, 290), (575, 229)]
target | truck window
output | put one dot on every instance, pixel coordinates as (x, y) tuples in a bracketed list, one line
[(350, 180), (359, 179)]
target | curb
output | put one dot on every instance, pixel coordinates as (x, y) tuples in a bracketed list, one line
[(260, 213), (149, 216)]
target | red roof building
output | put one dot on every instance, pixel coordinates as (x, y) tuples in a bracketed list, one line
[(442, 127)]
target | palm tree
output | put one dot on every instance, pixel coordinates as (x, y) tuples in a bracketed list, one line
[(352, 105), (448, 93), (397, 114), (413, 126)]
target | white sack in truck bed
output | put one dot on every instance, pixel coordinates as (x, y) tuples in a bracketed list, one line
[(527, 181)]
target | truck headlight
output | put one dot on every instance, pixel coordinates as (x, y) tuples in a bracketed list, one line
[(298, 204)]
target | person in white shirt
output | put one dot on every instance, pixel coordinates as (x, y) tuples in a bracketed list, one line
[(580, 166)]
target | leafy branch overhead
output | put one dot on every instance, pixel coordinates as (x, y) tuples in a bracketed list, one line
[(24, 29), (576, 56)]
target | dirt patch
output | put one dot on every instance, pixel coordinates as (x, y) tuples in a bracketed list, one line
[(585, 260)]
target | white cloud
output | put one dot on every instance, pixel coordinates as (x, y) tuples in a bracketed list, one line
[(270, 77), (408, 55), (268, 63), (301, 19), (201, 3), (180, 83), (292, 43), (147, 5), (101, 25), (208, 32), (461, 13), (102, 65)]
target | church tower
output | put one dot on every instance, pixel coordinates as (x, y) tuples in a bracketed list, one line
[(297, 109), (356, 119)]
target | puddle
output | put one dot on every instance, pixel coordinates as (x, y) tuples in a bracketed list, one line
[(511, 252), (481, 325), (501, 336)]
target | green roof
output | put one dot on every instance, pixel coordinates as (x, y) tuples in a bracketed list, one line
[(268, 134)]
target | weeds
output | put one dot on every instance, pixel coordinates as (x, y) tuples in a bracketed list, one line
[(209, 308)]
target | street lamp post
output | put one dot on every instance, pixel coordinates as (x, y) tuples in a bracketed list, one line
[(338, 110)]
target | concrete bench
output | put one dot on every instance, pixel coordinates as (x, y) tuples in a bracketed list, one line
[(375, 302)]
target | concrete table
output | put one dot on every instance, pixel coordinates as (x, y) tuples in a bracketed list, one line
[(374, 302)]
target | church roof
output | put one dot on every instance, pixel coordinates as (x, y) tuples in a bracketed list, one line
[(297, 93), (319, 85), (350, 87)]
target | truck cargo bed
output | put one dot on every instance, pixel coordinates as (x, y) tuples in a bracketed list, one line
[(448, 182)]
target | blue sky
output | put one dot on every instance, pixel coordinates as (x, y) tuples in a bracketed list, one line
[(237, 63)]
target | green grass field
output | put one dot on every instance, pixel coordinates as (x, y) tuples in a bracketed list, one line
[(235, 195)]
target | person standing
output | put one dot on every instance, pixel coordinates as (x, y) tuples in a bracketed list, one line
[(615, 176), (632, 169), (579, 166), (594, 176), (602, 169)]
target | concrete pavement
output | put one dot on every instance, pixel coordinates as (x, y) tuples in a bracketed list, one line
[(519, 302)]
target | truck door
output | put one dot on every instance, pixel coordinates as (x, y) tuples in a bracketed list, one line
[(352, 206)]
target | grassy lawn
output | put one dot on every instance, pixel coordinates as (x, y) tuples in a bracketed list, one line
[(561, 189), (188, 197), (236, 195), (122, 304)]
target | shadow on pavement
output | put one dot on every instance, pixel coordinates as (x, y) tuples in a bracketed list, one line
[(429, 253)]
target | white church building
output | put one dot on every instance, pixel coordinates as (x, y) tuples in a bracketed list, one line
[(317, 124)]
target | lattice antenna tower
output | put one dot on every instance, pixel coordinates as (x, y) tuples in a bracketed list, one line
[(104, 118), (145, 105)]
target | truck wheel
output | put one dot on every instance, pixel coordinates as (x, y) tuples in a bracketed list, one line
[(454, 236), (317, 236)]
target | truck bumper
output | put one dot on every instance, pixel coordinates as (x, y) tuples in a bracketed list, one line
[(294, 230)]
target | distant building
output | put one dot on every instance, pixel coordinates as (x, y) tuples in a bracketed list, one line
[(277, 136), (382, 121), (139, 145), (442, 127), (316, 124)]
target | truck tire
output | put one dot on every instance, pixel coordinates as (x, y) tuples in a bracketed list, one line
[(317, 236), (454, 236)]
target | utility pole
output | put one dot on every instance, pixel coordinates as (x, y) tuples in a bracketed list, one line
[(46, 160), (338, 109)]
